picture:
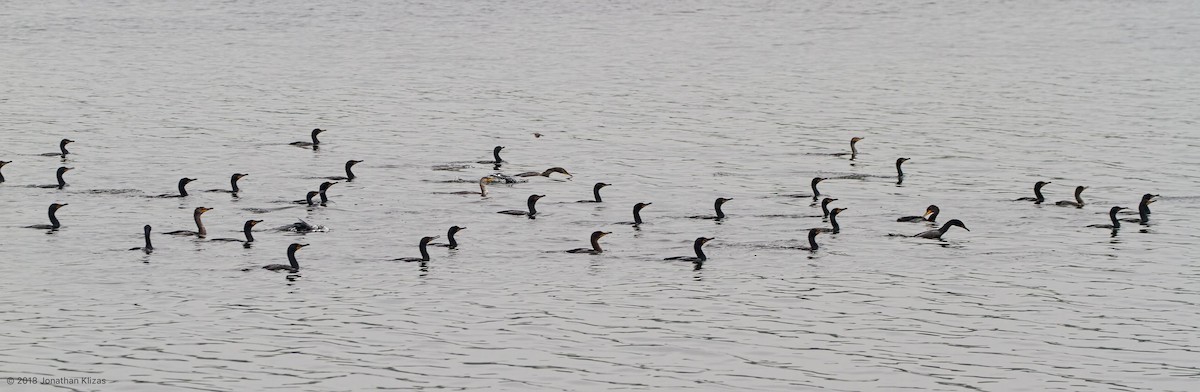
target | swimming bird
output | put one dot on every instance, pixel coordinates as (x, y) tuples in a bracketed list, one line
[(308, 198), (812, 240), (595, 249), (937, 234), (483, 182), (293, 266), (496, 156), (1037, 193), (2, 163), (545, 173), (349, 174), (182, 188), (59, 176), (325, 187), (424, 252), (815, 181), (1112, 214), (450, 237), (1143, 209), (700, 257), (833, 221), (303, 227), (595, 193), (233, 180), (899, 171), (531, 202), (637, 214), (717, 206), (148, 248), (825, 206), (201, 232), (246, 229), (54, 225), (314, 143), (930, 215), (853, 148), (1078, 203), (62, 148)]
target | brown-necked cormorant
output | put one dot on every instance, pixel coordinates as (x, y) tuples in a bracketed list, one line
[(58, 174), (294, 265), (595, 239), (2, 163), (424, 252), (496, 156), (54, 225), (595, 193), (1078, 203), (314, 143), (201, 232), (531, 203), (931, 214), (937, 234), (1112, 214), (450, 237), (349, 174), (148, 248), (1037, 193), (717, 206), (700, 257), (483, 182), (833, 222), (1143, 209), (62, 148), (246, 229), (233, 183)]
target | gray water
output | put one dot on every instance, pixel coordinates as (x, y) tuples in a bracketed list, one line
[(674, 103)]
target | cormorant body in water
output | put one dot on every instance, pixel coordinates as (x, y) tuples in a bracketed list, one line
[(825, 206), (833, 222), (938, 233), (496, 156), (595, 239), (303, 227), (308, 198), (1078, 203), (349, 174), (637, 214), (812, 240), (1037, 193), (531, 203), (931, 214), (424, 252), (900, 171), (148, 249), (293, 266), (314, 143), (182, 188), (325, 187), (59, 176), (450, 237), (700, 257), (201, 232), (595, 193), (62, 148), (1143, 209), (545, 173), (2, 163), (483, 182), (1112, 214), (54, 225), (717, 206), (853, 148), (246, 229), (233, 180)]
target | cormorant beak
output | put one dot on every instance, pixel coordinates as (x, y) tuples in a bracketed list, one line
[(70, 141), (462, 228), (63, 205), (646, 204), (604, 233), (255, 222), (298, 246)]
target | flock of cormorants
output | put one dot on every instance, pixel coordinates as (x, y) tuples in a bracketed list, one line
[(293, 266)]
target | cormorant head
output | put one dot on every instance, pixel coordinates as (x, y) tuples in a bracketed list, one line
[(186, 180), (1146, 198), (640, 206), (704, 240), (66, 141), (827, 200), (932, 209), (317, 131), (836, 211), (146, 229), (201, 210), (498, 148), (56, 206), (238, 176), (956, 222), (537, 135), (856, 139), (901, 160), (601, 185), (722, 200), (325, 185), (533, 198), (64, 169), (1115, 209), (1041, 184), (252, 222), (2, 163), (598, 234), (817, 180), (455, 229), (352, 162), (425, 240), (295, 247)]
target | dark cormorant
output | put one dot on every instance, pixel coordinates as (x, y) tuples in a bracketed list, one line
[(54, 225), (545, 173), (62, 148), (325, 187), (899, 171), (182, 188), (931, 214), (816, 192), (59, 176), (717, 206), (314, 143), (1037, 192), (483, 182), (233, 180), (294, 265), (853, 148), (700, 257), (595, 249), (833, 222), (1078, 203), (825, 206), (1112, 214), (201, 232), (637, 214), (595, 193), (938, 233), (246, 229), (148, 248), (496, 156), (812, 240), (1143, 209), (531, 202), (349, 174), (308, 198), (303, 227), (424, 252), (450, 237), (2, 163)]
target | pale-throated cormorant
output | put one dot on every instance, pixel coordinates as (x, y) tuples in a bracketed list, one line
[(314, 143), (931, 214), (148, 248), (54, 225), (595, 193), (1143, 209), (531, 203), (595, 239), (349, 174), (700, 257), (246, 229), (294, 265), (201, 232), (1078, 203), (1112, 214), (1037, 193), (937, 234), (450, 237), (424, 252), (717, 206)]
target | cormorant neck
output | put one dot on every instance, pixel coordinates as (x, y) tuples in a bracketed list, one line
[(699, 251), (450, 235), (532, 206), (496, 155), (309, 199), (182, 189), (249, 237), (899, 171), (62, 146), (1113, 215), (314, 137), (833, 221), (547, 172), (1144, 212), (292, 259), (148, 246), (815, 191), (825, 209), (637, 215), (853, 150), (53, 219), (933, 216), (424, 251), (596, 192), (1037, 191), (596, 245), (233, 181), (945, 228), (720, 214), (200, 225), (812, 240), (324, 199), (349, 174), (59, 175), (1079, 196)]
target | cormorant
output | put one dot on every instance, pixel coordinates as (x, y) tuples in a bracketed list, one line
[(2, 163), (930, 215), (545, 173), (59, 176), (233, 180), (246, 229), (483, 182), (637, 214), (531, 202), (314, 143), (424, 252), (899, 171), (1143, 209), (182, 188), (62, 148), (812, 240), (294, 265), (853, 148), (54, 225), (496, 156), (450, 237), (325, 187), (717, 206), (1112, 214), (201, 232), (148, 248), (825, 206), (349, 174), (815, 181), (595, 193), (1037, 192), (938, 233), (308, 198), (700, 257), (833, 221), (595, 239), (1078, 203)]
